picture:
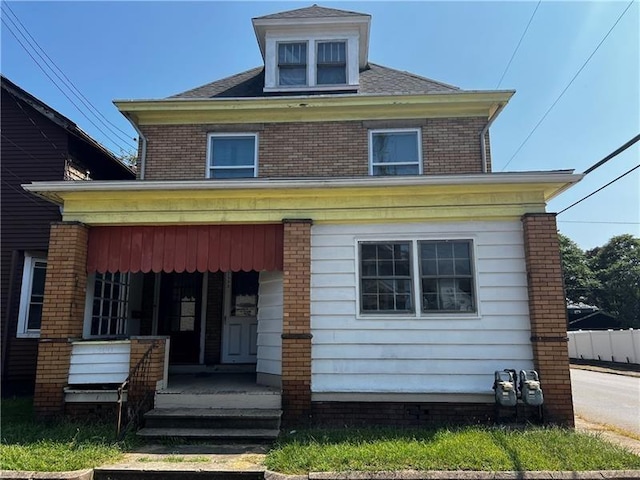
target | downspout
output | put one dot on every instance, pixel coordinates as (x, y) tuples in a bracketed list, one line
[(483, 143), (142, 161)]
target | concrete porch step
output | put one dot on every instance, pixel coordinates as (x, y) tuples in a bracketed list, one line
[(231, 435), (213, 418), (263, 399)]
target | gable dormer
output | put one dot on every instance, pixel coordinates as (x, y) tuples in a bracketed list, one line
[(313, 49)]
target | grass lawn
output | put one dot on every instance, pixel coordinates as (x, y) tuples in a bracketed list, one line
[(465, 448), (53, 446)]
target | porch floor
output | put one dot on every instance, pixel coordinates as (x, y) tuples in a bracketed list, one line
[(215, 383)]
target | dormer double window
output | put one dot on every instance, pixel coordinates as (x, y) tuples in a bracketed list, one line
[(328, 61)]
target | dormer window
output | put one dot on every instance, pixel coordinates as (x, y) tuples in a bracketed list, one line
[(331, 68), (292, 64)]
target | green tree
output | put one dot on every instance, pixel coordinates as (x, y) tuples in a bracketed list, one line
[(580, 282), (617, 267)]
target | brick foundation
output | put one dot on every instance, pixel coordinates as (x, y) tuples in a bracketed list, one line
[(62, 314), (296, 323), (548, 315)]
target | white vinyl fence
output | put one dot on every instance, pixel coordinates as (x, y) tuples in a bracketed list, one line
[(622, 346)]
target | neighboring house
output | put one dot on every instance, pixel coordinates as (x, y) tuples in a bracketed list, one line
[(589, 317), (38, 144), (329, 223)]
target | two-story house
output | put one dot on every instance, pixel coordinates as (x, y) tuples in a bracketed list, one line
[(38, 144), (330, 227)]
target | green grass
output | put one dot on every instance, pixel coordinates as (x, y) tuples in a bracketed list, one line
[(468, 448), (54, 446)]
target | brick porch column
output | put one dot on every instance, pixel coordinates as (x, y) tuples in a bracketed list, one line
[(548, 315), (62, 313), (296, 323)]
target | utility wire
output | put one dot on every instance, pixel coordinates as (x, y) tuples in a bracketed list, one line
[(612, 154), (518, 46), (568, 85), (601, 188), (58, 86), (66, 79)]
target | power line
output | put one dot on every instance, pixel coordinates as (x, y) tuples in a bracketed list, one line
[(66, 79), (615, 153), (601, 188), (56, 85), (568, 85), (518, 46)]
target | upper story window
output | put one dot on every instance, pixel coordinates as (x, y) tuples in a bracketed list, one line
[(31, 296), (395, 152), (232, 155), (292, 64), (331, 63)]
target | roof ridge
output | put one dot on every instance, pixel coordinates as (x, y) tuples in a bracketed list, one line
[(414, 75), (292, 13)]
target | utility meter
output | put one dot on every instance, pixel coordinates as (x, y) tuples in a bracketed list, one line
[(530, 388), (505, 388)]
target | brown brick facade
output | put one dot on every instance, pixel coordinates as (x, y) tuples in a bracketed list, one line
[(326, 149), (296, 323), (547, 312), (144, 374), (62, 314)]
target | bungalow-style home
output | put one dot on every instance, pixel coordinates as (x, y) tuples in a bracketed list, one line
[(38, 144), (320, 236)]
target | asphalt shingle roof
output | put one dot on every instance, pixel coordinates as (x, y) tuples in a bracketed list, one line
[(311, 12), (375, 79)]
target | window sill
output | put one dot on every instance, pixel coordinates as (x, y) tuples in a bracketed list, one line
[(424, 316), (28, 334), (312, 88)]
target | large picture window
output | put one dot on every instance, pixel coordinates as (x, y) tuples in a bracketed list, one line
[(109, 305), (232, 155), (395, 152), (441, 271), (31, 296)]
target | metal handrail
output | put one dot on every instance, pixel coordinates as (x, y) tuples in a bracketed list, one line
[(137, 398)]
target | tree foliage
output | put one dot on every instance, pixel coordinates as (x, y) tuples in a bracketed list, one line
[(606, 276), (579, 280), (617, 267)]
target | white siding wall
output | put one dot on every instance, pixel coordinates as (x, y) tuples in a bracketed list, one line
[(434, 354), (99, 362), (270, 323)]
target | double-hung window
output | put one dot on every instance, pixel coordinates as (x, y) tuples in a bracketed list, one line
[(109, 305), (292, 64), (395, 152), (441, 271), (31, 296), (232, 155), (331, 63)]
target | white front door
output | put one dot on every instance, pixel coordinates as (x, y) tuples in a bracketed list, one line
[(240, 324)]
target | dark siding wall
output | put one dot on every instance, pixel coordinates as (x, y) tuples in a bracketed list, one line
[(33, 149)]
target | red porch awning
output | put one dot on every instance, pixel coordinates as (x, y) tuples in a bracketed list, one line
[(190, 248)]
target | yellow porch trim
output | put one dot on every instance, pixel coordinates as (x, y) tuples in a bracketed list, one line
[(334, 205), (313, 108)]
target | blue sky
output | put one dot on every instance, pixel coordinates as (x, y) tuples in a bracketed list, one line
[(132, 50)]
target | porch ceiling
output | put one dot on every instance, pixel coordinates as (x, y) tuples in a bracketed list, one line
[(335, 200)]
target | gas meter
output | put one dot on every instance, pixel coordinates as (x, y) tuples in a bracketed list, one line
[(505, 388), (530, 388)]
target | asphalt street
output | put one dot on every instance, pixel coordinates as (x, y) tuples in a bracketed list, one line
[(607, 399)]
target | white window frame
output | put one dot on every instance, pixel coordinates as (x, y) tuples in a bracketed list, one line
[(210, 167), (122, 316), (418, 133), (23, 330), (306, 67), (416, 278), (346, 62)]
